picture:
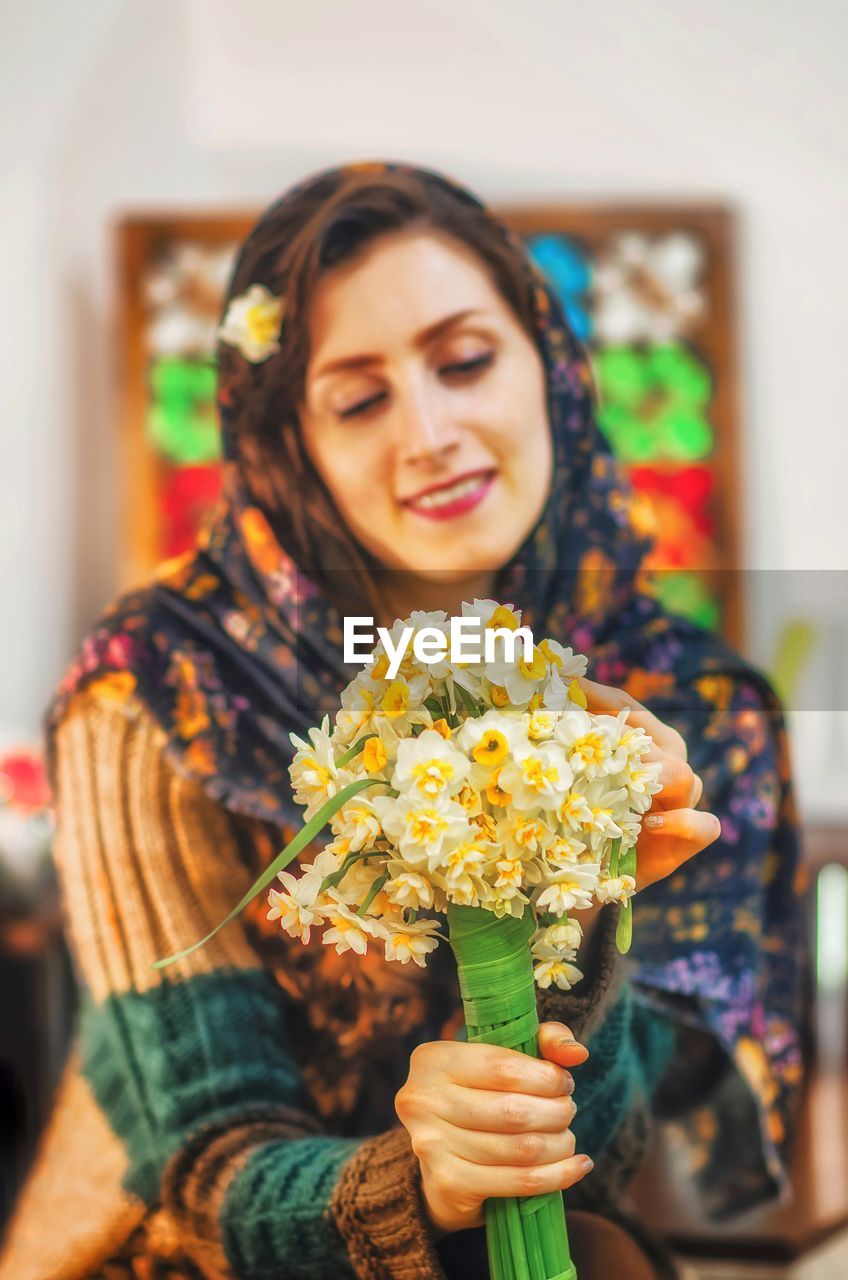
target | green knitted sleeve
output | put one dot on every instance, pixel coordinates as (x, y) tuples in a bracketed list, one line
[(193, 1067)]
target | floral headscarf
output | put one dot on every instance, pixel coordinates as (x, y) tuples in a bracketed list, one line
[(232, 647)]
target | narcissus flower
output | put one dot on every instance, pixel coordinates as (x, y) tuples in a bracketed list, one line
[(252, 323)]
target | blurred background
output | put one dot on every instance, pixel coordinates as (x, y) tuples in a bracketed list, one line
[(679, 171)]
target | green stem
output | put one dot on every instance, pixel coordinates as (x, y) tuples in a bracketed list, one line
[(306, 834), (526, 1236), (355, 750), (471, 705), (372, 893)]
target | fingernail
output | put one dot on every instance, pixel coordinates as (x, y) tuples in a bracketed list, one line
[(568, 1042), (654, 820), (569, 1084), (587, 1162)]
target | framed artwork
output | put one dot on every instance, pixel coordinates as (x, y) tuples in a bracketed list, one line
[(649, 288)]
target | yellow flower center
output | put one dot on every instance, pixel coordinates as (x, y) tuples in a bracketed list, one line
[(380, 668), (534, 669), (432, 776), (535, 774), (571, 807), (589, 748), (525, 833), (468, 797), (313, 766), (262, 321), (503, 616), (443, 728), (374, 756), (425, 825), (553, 658), (500, 697), (487, 825), (396, 699), (576, 694), (496, 794), (491, 748)]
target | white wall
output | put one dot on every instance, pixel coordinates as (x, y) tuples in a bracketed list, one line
[(109, 106)]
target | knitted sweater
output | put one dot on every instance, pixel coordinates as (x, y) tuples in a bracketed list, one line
[(233, 1115)]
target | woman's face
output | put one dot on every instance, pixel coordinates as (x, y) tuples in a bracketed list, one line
[(440, 471)]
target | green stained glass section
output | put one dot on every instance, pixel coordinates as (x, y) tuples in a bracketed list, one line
[(685, 594), (182, 421), (654, 402)]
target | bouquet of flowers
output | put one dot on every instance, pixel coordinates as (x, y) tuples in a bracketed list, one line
[(483, 792)]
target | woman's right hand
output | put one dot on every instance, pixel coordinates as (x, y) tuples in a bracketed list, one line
[(486, 1121)]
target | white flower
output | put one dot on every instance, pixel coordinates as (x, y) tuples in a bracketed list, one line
[(590, 742), (541, 724), (574, 813), (294, 906), (488, 740), (314, 773), (564, 851), (572, 888), (353, 718), (330, 858), (421, 831), (252, 323), (428, 767), (562, 939), (564, 662), (402, 703), (408, 888), (505, 902), (407, 942), (642, 782), (616, 889), (516, 873), (565, 975), (358, 823), (522, 836), (462, 870), (606, 804), (348, 931), (537, 776), (520, 679)]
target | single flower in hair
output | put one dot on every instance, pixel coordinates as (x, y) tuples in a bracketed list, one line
[(252, 323)]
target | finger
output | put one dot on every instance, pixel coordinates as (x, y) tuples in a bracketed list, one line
[(491, 1182), (506, 1149), (678, 782), (557, 1044), (489, 1111), (670, 839), (606, 700), (486, 1066)]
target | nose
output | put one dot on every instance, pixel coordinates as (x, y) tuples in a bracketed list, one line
[(428, 435)]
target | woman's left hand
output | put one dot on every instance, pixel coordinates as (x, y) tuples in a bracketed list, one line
[(673, 830)]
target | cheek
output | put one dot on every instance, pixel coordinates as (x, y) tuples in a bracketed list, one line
[(356, 470)]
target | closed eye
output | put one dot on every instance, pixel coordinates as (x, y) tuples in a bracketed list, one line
[(466, 367)]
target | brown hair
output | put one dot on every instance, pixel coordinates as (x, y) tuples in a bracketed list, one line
[(291, 248)]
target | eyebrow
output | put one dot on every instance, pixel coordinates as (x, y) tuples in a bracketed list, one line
[(421, 339)]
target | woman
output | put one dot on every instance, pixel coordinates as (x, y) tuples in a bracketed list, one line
[(407, 423)]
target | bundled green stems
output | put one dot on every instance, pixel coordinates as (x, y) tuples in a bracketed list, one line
[(526, 1236)]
